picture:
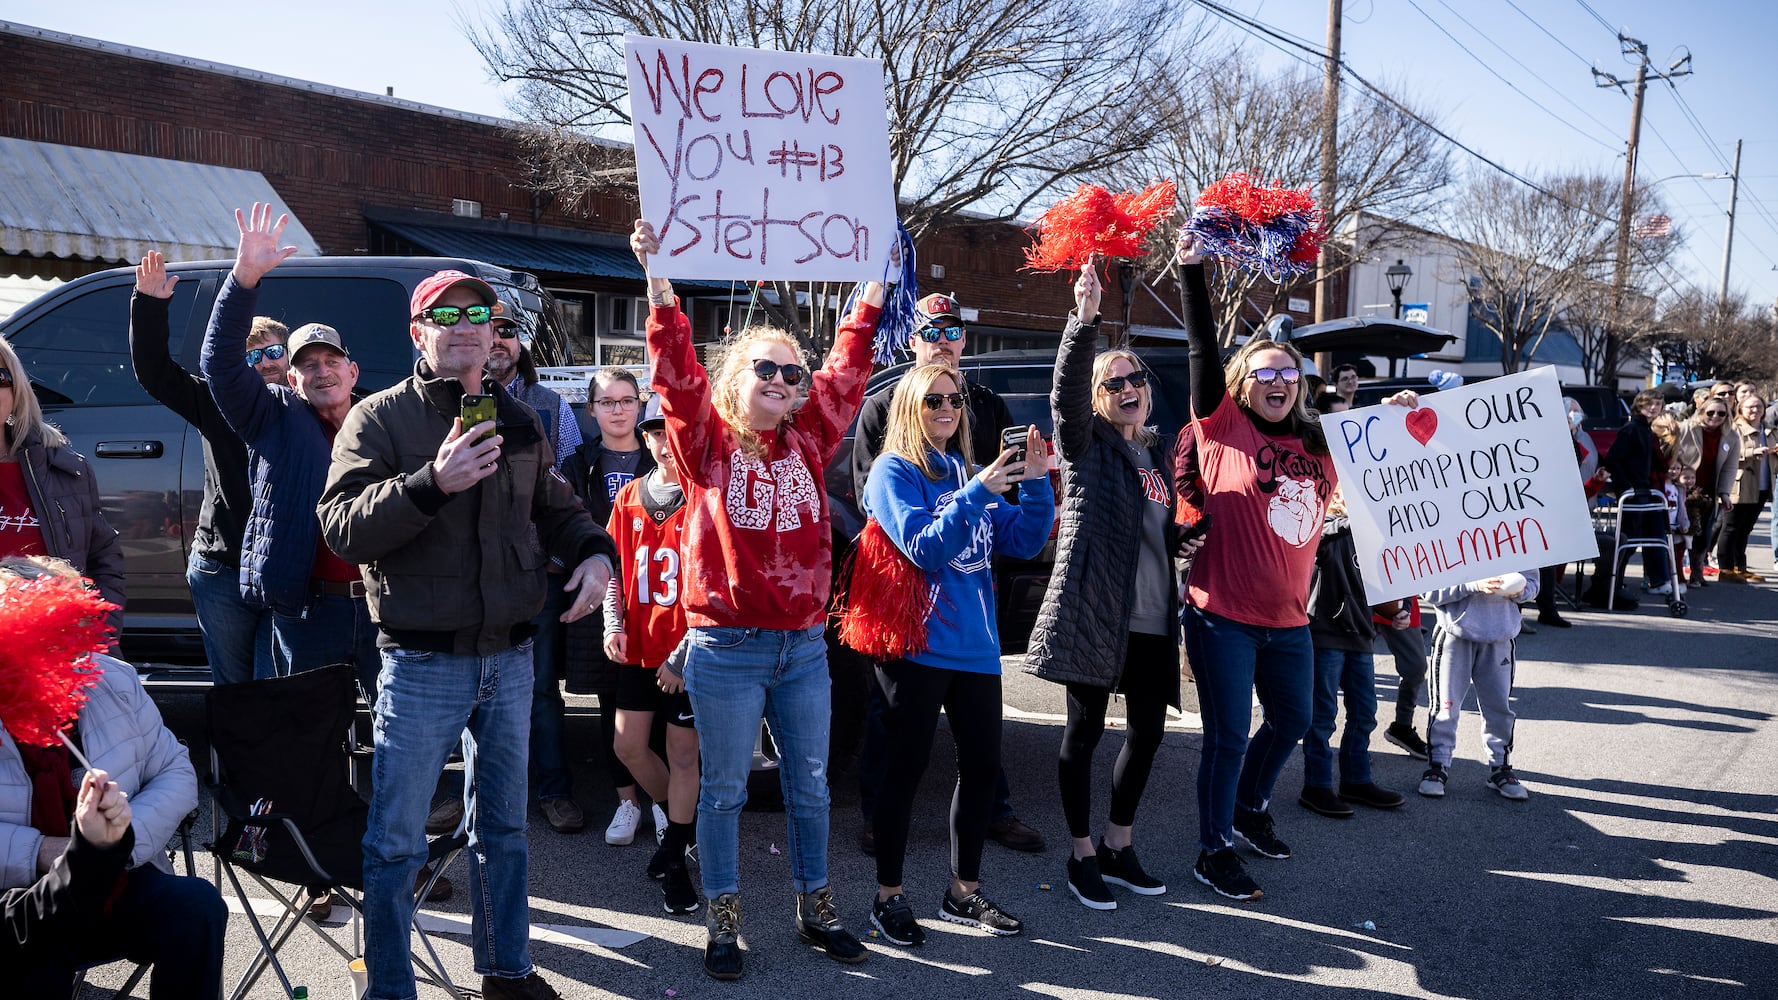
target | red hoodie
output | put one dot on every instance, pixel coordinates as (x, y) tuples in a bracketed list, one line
[(757, 545)]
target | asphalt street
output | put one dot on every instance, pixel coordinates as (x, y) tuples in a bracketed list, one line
[(1644, 864)]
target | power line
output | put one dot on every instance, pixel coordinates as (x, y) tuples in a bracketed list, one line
[(1529, 72), (1603, 23), (1584, 61)]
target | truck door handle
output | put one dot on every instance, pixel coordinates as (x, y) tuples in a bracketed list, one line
[(130, 449)]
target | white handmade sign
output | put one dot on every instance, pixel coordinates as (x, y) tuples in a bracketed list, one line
[(761, 165), (1476, 482)]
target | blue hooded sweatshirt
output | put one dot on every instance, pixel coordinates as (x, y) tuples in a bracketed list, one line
[(951, 529)]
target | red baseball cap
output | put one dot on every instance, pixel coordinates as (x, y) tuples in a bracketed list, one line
[(433, 288)]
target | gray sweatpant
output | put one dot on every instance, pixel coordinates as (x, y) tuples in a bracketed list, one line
[(1457, 666)]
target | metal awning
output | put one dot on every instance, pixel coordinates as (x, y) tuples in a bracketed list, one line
[(91, 204), (521, 252)]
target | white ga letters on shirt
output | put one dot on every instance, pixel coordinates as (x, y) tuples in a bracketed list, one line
[(755, 493)]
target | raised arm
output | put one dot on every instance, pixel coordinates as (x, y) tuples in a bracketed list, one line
[(1207, 385), (895, 497), (150, 354), (1071, 393), (837, 388), (693, 426), (238, 390)]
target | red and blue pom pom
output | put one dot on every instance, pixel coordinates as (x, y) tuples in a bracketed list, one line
[(1275, 231), (1095, 222), (48, 626)]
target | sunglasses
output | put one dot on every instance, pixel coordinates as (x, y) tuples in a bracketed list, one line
[(1136, 380), (273, 351), (932, 333), (449, 315), (1718, 414), (766, 369), (934, 400), (1272, 376), (503, 332), (5, 378)]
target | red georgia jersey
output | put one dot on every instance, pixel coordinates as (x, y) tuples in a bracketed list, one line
[(649, 560)]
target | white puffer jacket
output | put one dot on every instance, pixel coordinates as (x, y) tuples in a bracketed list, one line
[(120, 731)]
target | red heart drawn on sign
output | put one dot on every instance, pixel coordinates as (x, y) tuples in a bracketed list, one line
[(1422, 424)]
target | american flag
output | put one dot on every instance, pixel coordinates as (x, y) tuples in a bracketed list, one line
[(1652, 227)]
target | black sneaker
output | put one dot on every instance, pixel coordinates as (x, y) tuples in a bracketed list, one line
[(1122, 868), (818, 923), (894, 920), (1255, 830), (977, 910), (1088, 885), (531, 987), (722, 952), (677, 894), (1223, 871), (660, 862), (1406, 738)]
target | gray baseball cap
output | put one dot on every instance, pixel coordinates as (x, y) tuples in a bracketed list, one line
[(652, 415), (311, 334)]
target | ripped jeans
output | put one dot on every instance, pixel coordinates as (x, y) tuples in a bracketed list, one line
[(736, 676)]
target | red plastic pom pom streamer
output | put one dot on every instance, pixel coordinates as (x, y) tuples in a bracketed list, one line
[(1093, 221), (887, 601), (48, 626)]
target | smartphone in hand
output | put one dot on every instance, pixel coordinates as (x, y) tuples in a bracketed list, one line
[(477, 409), (1014, 438)]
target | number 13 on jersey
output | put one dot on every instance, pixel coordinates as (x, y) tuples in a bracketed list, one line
[(657, 566)]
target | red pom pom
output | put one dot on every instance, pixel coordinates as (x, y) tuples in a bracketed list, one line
[(887, 601), (1093, 221), (48, 626)]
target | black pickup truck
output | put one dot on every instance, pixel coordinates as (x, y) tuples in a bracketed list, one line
[(74, 342)]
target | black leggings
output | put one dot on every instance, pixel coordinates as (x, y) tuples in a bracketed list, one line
[(1731, 551), (1151, 667), (913, 695)]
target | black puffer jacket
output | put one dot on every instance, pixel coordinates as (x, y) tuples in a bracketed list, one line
[(66, 500), (1083, 629)]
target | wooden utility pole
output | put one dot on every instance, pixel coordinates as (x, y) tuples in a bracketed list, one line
[(1330, 168), (1621, 273), (1728, 243)]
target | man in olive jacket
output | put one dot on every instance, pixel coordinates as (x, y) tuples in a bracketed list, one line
[(438, 515)]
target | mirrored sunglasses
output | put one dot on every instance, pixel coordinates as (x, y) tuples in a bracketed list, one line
[(766, 369), (931, 334), (1272, 376), (1136, 380), (258, 354), (449, 315)]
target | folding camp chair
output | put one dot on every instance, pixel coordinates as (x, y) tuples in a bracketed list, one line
[(286, 744)]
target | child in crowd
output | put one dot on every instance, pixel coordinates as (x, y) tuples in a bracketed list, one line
[(1679, 522), (644, 624), (1342, 631), (1472, 647)]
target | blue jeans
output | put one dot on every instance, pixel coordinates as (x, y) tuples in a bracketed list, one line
[(333, 629), (547, 754), (1232, 661), (424, 702), (237, 635), (1339, 670), (734, 676)]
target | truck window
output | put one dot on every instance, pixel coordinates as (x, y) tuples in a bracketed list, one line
[(369, 312), (80, 349)]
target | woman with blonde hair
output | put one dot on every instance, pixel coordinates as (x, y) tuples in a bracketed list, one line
[(949, 523), (1109, 620), (49, 502), (1268, 479), (1754, 467), (758, 567)]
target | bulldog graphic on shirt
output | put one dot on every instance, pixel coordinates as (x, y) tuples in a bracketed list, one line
[(1294, 511)]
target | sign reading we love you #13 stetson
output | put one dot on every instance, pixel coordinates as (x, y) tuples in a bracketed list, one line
[(1476, 482), (755, 164)]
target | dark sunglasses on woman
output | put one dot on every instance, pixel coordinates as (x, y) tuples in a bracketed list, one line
[(273, 351), (766, 369), (5, 378), (1136, 380), (934, 400), (1272, 376)]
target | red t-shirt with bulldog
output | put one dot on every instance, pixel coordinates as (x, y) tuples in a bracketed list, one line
[(1265, 495)]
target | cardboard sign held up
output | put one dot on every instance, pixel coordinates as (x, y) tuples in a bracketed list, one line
[(1476, 482), (761, 165)]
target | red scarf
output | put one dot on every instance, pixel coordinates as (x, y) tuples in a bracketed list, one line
[(52, 788)]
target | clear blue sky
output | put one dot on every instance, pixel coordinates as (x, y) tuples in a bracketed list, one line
[(1559, 121)]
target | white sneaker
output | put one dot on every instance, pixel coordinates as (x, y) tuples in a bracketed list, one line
[(623, 823), (1664, 589), (660, 825)]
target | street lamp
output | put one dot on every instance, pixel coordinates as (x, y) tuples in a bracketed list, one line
[(1397, 275)]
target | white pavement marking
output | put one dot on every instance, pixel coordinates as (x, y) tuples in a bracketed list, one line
[(1175, 718), (441, 923)]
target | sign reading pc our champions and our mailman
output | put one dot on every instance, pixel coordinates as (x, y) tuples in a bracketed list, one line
[(754, 164), (1477, 482)]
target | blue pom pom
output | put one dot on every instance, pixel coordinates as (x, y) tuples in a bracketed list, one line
[(900, 317)]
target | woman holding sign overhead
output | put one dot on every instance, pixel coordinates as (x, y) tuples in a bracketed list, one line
[(1267, 478), (755, 584)]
